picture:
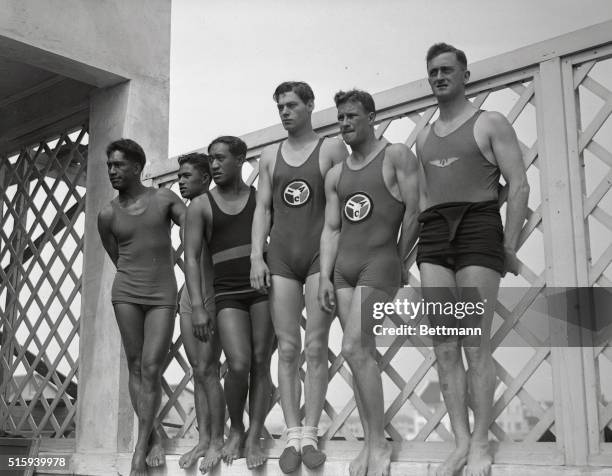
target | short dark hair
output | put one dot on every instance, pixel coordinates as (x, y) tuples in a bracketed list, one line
[(199, 161), (302, 89), (439, 48), (131, 150), (356, 95), (236, 145)]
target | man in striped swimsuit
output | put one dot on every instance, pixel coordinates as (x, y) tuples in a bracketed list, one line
[(219, 227)]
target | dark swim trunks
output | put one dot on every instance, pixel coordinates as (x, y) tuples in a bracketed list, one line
[(460, 234), (242, 301)]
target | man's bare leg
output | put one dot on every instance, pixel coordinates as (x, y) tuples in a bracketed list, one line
[(260, 388), (359, 466), (208, 393), (451, 372), (359, 351), (146, 340), (480, 284), (235, 333), (286, 304), (316, 351)]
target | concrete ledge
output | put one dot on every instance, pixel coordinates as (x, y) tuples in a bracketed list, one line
[(107, 465)]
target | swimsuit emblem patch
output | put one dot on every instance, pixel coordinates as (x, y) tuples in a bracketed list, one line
[(444, 162), (296, 193), (358, 207)]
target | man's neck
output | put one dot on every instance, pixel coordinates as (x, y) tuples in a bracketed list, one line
[(454, 108), (302, 136), (132, 192), (232, 188), (361, 151)]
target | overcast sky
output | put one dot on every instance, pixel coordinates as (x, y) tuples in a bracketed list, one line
[(227, 56)]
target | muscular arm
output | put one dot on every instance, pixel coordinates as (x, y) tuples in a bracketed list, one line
[(262, 221), (507, 153), (421, 171), (407, 173), (106, 235), (176, 207), (195, 248), (329, 239)]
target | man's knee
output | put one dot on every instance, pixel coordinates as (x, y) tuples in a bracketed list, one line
[(354, 352), (205, 371), (448, 353), (240, 367), (288, 350), (477, 356), (151, 372), (134, 363), (315, 351)]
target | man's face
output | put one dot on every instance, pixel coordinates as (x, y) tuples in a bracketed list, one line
[(292, 110), (355, 122), (122, 171), (447, 77), (191, 181), (225, 167)]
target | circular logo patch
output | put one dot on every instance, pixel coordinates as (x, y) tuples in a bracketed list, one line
[(357, 207), (296, 193)]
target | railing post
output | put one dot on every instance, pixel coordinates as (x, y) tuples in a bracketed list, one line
[(558, 218)]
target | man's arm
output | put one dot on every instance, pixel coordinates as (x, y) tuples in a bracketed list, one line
[(176, 206), (195, 247), (407, 174), (421, 171), (507, 153), (262, 221), (106, 235), (329, 240)]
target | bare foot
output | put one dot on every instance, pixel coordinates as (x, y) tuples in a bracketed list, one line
[(479, 459), (255, 456), (379, 459), (139, 464), (231, 448), (191, 457), (156, 455), (455, 461), (359, 466), (212, 457)]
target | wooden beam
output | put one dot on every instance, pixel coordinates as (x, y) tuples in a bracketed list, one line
[(558, 223)]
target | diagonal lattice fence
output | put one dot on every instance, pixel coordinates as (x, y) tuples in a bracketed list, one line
[(41, 245)]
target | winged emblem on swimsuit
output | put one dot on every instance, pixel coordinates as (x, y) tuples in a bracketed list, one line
[(357, 207), (444, 162), (296, 193)]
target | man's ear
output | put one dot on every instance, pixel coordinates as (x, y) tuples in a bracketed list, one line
[(466, 76)]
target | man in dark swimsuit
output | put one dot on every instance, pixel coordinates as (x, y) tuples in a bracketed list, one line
[(463, 250), (135, 231), (194, 177), (290, 209), (219, 227), (370, 197)]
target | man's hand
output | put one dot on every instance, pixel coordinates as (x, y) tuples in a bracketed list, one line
[(327, 296), (203, 324), (260, 274), (511, 262)]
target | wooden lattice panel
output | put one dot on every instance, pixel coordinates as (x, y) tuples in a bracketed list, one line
[(593, 90), (41, 244)]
